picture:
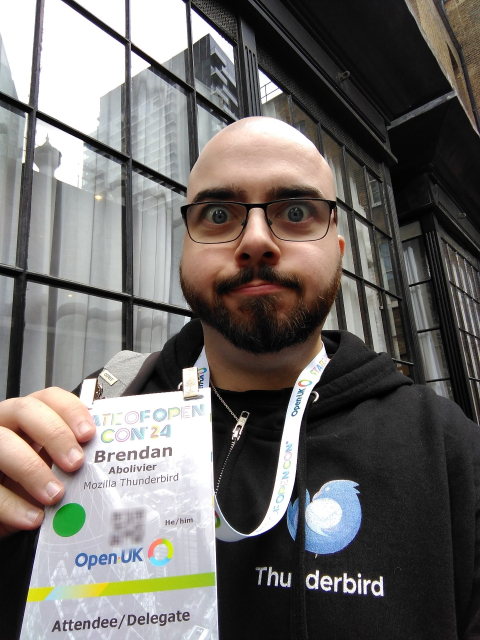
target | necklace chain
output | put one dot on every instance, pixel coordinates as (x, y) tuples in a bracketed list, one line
[(223, 402)]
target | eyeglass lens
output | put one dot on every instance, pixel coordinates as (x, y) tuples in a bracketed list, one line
[(298, 220)]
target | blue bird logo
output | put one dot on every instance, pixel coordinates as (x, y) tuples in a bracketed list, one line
[(332, 518)]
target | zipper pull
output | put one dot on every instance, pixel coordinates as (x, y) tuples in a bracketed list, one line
[(238, 428)]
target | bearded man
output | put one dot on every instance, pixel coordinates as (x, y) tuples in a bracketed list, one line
[(381, 535)]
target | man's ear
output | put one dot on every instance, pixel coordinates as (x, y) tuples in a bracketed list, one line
[(341, 244)]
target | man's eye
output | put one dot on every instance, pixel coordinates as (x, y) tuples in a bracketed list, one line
[(295, 213), (217, 215)]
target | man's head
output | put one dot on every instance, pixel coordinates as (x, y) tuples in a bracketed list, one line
[(262, 293)]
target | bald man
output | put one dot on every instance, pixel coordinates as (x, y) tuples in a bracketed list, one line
[(379, 537)]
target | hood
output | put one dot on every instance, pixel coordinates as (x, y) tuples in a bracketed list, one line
[(354, 373)]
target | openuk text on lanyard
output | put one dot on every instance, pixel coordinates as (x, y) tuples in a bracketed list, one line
[(287, 459)]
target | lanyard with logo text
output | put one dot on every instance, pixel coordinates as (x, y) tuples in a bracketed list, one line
[(287, 459)]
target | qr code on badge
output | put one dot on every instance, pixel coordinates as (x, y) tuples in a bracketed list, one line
[(127, 526)]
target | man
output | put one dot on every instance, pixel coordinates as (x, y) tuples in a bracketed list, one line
[(380, 539)]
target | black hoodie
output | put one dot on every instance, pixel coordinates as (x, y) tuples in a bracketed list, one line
[(381, 453)]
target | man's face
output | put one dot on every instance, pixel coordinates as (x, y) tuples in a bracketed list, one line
[(263, 294)]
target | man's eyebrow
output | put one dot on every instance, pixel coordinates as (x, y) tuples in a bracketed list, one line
[(294, 191), (221, 193)]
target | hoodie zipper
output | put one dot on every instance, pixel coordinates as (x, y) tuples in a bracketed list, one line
[(236, 434)]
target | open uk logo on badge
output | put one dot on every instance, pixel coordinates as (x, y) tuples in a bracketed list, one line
[(130, 550)]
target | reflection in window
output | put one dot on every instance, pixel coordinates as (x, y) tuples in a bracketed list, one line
[(82, 75), (152, 328), (12, 131), (343, 230), (214, 66), (396, 328), (274, 101), (416, 260), (433, 355), (375, 308), (331, 323), (351, 303), (6, 295), (112, 12), (358, 190), (424, 307), (157, 241), (366, 252), (159, 27), (209, 124), (76, 221), (442, 388), (386, 265), (159, 122), (17, 21), (464, 279), (334, 157), (303, 123), (376, 202), (67, 336)]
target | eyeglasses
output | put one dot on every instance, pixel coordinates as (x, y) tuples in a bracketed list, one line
[(294, 220)]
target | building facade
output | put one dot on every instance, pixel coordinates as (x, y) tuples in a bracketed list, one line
[(105, 107)]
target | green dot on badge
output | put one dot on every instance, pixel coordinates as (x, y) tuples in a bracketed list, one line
[(69, 519)]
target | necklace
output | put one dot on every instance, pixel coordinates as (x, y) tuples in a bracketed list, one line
[(236, 432)]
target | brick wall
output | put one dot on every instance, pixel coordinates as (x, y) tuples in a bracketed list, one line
[(430, 21), (464, 17)]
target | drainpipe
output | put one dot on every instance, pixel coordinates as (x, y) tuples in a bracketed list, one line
[(441, 10)]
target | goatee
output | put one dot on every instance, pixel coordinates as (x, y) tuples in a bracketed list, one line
[(258, 326)]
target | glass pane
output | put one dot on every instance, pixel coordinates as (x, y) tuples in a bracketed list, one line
[(410, 231), (467, 355), (424, 306), (112, 12), (157, 241), (351, 305), (472, 277), (331, 323), (209, 124), (159, 122), (474, 310), (77, 203), (159, 27), (12, 136), (6, 295), (81, 85), (343, 230), (17, 23), (358, 189), (214, 66), (68, 335), (464, 301), (333, 155), (369, 267), (473, 342), (274, 101), (433, 355), (459, 311), (375, 192), (415, 260), (152, 328), (476, 398), (303, 123), (442, 388), (386, 266), (375, 309), (454, 267), (396, 328)]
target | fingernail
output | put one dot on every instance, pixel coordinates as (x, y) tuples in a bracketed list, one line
[(85, 427), (74, 455), (33, 514), (53, 489)]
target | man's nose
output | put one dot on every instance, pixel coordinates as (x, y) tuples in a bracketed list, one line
[(257, 242)]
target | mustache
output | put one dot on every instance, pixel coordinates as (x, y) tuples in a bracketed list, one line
[(263, 272)]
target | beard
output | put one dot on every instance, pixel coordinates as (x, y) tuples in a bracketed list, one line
[(258, 325)]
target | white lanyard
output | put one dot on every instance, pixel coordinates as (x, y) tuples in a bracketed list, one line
[(287, 459)]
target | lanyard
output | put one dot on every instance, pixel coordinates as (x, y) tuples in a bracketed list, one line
[(287, 459)]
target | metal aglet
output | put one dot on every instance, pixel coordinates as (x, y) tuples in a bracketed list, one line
[(238, 428)]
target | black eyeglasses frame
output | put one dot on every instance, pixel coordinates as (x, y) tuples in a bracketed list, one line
[(261, 205)]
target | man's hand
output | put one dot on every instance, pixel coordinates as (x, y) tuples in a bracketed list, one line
[(43, 427)]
